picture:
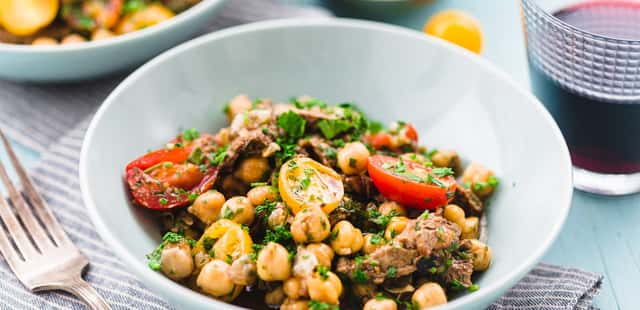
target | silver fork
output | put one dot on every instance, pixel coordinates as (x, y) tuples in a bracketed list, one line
[(39, 251)]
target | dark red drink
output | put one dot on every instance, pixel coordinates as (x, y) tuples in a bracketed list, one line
[(602, 129)]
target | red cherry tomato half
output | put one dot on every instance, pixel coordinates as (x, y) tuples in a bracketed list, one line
[(174, 155), (161, 179), (150, 193), (381, 140), (411, 132), (410, 184)]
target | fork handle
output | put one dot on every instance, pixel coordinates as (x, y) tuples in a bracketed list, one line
[(83, 290)]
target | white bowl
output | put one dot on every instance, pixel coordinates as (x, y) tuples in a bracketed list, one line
[(98, 58), (456, 100)]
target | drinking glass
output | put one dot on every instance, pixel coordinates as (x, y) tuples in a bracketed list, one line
[(584, 65)]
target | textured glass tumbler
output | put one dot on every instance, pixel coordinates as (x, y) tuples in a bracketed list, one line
[(584, 65)]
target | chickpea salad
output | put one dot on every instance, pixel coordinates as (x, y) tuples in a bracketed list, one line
[(53, 22), (306, 205)]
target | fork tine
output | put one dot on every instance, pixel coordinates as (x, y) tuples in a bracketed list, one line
[(6, 248), (43, 211), (15, 230)]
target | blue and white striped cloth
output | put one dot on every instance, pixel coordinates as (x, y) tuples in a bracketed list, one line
[(53, 119)]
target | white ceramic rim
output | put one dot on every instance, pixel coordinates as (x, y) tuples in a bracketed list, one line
[(139, 267), (196, 10)]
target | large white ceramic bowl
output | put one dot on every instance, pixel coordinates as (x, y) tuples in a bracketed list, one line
[(456, 100), (90, 60)]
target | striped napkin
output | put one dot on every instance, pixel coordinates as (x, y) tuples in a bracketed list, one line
[(52, 120)]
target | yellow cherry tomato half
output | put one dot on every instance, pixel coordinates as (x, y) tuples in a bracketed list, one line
[(304, 182), (214, 232), (26, 17), (456, 27), (234, 243)]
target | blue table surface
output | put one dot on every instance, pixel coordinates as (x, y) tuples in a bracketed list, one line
[(602, 234)]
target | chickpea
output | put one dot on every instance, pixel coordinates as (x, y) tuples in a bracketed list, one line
[(295, 288), (176, 261), (293, 304), (207, 206), (323, 253), (239, 210), (471, 229), (353, 158), (275, 297), (310, 225), (243, 270), (372, 242), (44, 41), (454, 214), (380, 304), (304, 263), (273, 263), (72, 39), (279, 216), (214, 279), (346, 239), (480, 254), (101, 34), (325, 288), (429, 295), (395, 227), (447, 158), (262, 194), (480, 179), (391, 206), (237, 105), (252, 169)]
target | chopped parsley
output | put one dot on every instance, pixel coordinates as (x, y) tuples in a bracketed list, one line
[(383, 220), (192, 197), (400, 167), (377, 238), (352, 162), (442, 171), (456, 285), (338, 142), (392, 272), (292, 123), (332, 128), (473, 288), (169, 237), (317, 305), (196, 156), (493, 181), (334, 234), (359, 276), (431, 153), (266, 209), (130, 6), (163, 201), (216, 158), (280, 234), (424, 215), (323, 272), (190, 134), (374, 127)]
